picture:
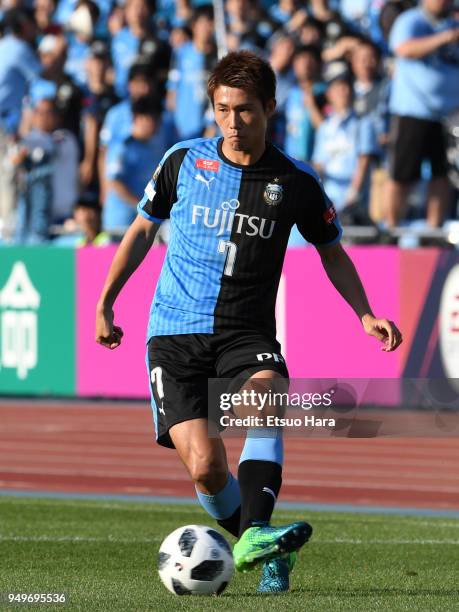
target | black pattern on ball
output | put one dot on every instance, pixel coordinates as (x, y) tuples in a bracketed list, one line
[(179, 589), (187, 541), (207, 570), (221, 588), (220, 539), (163, 560)]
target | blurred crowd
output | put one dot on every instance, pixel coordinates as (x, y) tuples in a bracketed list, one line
[(93, 92)]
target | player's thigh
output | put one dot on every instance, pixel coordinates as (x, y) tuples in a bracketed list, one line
[(267, 395), (256, 370), (178, 370)]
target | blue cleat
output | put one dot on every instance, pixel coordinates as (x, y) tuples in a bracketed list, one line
[(275, 575)]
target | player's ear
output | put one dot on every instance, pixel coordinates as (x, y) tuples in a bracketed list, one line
[(270, 107)]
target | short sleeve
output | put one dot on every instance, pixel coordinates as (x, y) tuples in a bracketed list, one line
[(405, 27), (161, 191), (316, 216)]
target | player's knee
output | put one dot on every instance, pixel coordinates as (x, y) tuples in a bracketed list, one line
[(209, 473)]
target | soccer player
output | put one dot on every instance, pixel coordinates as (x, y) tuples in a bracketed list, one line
[(232, 201)]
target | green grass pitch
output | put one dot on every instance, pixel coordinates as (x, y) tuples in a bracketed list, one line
[(103, 555)]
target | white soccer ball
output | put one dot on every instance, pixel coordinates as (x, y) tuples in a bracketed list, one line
[(195, 560)]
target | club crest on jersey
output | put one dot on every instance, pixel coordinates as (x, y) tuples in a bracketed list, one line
[(273, 193), (330, 214)]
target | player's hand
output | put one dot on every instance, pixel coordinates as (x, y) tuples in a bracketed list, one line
[(107, 334), (385, 331)]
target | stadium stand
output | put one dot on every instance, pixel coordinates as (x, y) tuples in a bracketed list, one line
[(85, 58)]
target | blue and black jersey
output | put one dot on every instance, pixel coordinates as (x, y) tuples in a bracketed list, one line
[(230, 226)]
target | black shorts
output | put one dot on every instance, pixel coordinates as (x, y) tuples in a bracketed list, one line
[(413, 140), (180, 367)]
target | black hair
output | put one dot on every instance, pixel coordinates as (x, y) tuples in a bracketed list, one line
[(88, 200), (206, 10), (244, 70), (15, 19), (140, 68), (147, 105), (311, 49)]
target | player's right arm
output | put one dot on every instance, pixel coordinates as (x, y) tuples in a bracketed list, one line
[(133, 248)]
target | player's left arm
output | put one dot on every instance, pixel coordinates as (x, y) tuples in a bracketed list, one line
[(345, 278)]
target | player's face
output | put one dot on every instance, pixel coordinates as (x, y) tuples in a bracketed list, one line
[(241, 117)]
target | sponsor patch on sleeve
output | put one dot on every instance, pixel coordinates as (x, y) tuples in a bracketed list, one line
[(208, 164), (330, 214), (150, 191)]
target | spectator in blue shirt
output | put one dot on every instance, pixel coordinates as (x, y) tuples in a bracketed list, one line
[(363, 17), (281, 56), (282, 50), (425, 89), (66, 8), (187, 97), (69, 96), (248, 27), (344, 148), (118, 121), (81, 32), (34, 163), (100, 99), (19, 66), (137, 38), (304, 104), (371, 90), (129, 164)]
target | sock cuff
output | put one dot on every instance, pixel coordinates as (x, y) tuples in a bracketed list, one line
[(223, 504), (265, 447)]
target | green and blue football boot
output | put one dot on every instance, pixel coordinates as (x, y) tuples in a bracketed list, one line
[(275, 574), (262, 542)]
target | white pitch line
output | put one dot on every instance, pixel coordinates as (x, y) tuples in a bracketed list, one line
[(18, 538), (280, 514)]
